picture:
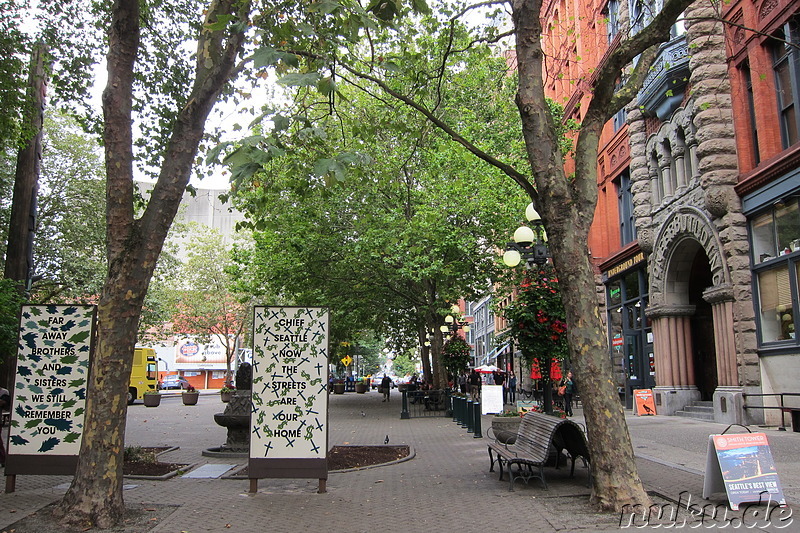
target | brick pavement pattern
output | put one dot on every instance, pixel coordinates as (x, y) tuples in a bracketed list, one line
[(446, 485)]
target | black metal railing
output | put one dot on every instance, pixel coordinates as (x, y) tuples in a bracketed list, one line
[(425, 403), (783, 407)]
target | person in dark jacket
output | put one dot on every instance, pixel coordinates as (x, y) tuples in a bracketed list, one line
[(569, 390), (386, 387)]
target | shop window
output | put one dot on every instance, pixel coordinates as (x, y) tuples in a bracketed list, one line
[(776, 232), (787, 79), (776, 255), (775, 301)]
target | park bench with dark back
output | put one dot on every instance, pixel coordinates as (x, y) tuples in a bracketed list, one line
[(539, 442)]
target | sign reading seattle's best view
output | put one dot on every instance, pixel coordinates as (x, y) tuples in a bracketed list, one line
[(49, 397), (743, 468), (289, 420)]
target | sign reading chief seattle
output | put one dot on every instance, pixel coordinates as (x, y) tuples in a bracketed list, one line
[(52, 374), (290, 396)]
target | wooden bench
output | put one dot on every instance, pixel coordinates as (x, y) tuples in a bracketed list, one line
[(540, 441)]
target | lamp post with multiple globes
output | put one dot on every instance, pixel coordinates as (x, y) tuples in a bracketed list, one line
[(530, 244)]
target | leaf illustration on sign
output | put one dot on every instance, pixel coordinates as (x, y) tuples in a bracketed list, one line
[(49, 444), (59, 423), (30, 340), (80, 337), (19, 441)]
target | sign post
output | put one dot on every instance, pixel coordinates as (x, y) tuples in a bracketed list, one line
[(289, 421), (49, 396)]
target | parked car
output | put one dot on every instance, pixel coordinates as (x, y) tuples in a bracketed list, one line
[(377, 378), (173, 382)]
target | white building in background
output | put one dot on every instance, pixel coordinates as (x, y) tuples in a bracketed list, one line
[(203, 365)]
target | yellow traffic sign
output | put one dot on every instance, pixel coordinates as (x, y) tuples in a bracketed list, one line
[(346, 360)]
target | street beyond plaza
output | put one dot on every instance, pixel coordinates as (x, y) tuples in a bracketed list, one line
[(446, 485)]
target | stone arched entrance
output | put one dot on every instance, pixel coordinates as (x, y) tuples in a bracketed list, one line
[(691, 311)]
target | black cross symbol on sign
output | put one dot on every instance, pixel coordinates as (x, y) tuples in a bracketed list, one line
[(267, 448)]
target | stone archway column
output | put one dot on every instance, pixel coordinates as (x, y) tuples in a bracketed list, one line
[(672, 350), (728, 398), (721, 300)]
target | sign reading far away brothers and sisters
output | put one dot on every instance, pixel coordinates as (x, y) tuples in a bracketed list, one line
[(289, 421), (49, 395)]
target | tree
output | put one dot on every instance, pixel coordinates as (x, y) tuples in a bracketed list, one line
[(173, 98), (204, 303), (69, 262), (566, 202), (414, 225)]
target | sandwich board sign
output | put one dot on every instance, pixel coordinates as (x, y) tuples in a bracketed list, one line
[(741, 464), (289, 418), (644, 402), (49, 396)]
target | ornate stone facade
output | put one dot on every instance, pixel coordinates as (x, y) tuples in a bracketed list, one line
[(689, 220)]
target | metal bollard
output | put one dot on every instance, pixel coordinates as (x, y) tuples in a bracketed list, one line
[(404, 412), (470, 416), (476, 426), (454, 407)]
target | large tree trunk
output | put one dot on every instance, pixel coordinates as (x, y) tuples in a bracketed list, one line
[(95, 496), (567, 209), (21, 226)]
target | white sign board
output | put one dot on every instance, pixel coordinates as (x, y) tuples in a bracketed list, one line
[(289, 420), (491, 399), (49, 396)]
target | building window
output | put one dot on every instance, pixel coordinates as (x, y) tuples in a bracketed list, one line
[(612, 19), (776, 256), (627, 227), (744, 69), (787, 79)]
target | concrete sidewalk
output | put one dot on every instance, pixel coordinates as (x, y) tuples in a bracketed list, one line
[(446, 485)]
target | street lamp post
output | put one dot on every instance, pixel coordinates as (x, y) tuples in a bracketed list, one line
[(530, 244)]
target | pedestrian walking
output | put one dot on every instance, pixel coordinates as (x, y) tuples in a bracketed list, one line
[(475, 385), (512, 387), (386, 387)]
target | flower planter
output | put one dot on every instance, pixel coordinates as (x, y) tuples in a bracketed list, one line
[(509, 424), (338, 388), (190, 398), (225, 396), (361, 388), (152, 400)]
